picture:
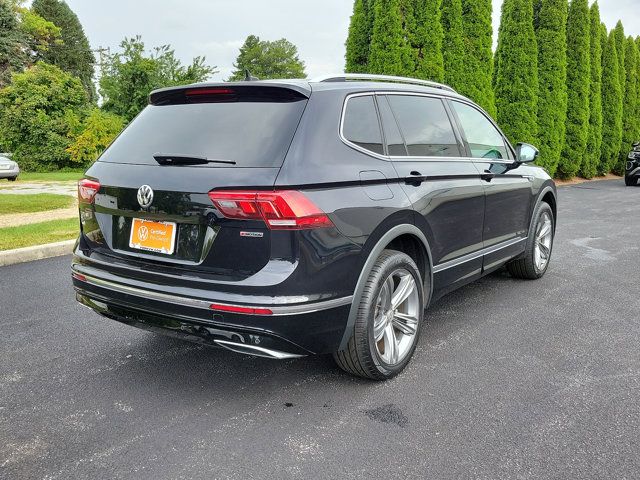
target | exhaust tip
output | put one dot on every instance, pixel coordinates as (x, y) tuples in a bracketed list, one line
[(255, 350)]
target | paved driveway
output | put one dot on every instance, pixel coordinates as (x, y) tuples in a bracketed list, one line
[(511, 379), (59, 188)]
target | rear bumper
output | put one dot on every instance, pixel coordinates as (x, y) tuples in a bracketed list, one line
[(293, 328), (9, 173)]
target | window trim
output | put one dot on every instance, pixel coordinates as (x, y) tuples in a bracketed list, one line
[(459, 133), (452, 123), (463, 134)]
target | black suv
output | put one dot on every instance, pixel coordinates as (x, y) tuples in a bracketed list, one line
[(288, 218), (632, 170)]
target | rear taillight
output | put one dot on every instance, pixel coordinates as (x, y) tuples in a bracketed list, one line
[(280, 210), (87, 190)]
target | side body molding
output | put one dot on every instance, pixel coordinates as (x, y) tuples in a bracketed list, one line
[(387, 238)]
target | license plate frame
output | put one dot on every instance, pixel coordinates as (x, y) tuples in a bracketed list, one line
[(157, 237)]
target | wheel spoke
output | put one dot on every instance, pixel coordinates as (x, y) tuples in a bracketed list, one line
[(387, 293), (545, 230), (537, 257), (405, 288), (544, 250), (390, 345), (378, 328), (407, 324)]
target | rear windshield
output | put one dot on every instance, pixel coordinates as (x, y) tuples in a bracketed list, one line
[(252, 134)]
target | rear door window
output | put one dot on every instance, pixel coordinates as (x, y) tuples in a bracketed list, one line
[(252, 133), (425, 126), (361, 125), (395, 142), (484, 139)]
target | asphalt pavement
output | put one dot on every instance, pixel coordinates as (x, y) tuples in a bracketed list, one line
[(511, 379)]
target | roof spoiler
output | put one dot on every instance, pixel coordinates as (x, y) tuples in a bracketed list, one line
[(230, 91)]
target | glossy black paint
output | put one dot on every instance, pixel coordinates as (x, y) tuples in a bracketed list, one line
[(632, 167), (461, 207)]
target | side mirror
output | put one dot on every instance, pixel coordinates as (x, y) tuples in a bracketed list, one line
[(526, 153)]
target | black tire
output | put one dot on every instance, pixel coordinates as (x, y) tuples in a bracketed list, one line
[(525, 267), (361, 356), (630, 181), (12, 179)]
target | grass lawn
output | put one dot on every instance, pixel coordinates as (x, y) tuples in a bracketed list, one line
[(38, 233), (40, 202), (72, 176)]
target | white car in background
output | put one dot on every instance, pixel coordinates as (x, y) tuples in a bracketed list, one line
[(8, 168)]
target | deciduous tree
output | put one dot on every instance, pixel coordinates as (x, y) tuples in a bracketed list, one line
[(38, 110), (130, 75), (265, 59), (97, 131)]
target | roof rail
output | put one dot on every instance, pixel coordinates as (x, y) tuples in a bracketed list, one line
[(344, 77)]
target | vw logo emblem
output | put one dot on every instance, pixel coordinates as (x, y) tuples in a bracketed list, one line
[(145, 196), (143, 233)]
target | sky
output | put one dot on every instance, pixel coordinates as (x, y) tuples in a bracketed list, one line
[(217, 28)]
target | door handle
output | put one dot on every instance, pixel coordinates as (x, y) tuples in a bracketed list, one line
[(415, 180), (487, 176)]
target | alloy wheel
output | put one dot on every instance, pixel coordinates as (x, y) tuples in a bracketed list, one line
[(396, 317), (544, 240)]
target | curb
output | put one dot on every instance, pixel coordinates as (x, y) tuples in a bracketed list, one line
[(37, 252)]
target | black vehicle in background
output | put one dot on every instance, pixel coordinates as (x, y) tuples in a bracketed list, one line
[(288, 218), (632, 169)]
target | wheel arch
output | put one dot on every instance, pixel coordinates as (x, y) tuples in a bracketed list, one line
[(407, 237), (547, 194)]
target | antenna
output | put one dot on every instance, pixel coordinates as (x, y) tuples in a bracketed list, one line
[(248, 77)]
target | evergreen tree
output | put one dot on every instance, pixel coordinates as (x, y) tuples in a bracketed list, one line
[(359, 38), (516, 84), (630, 103), (477, 73), (12, 56), (550, 21), (594, 144), (426, 36), (74, 54), (453, 42), (578, 80), (620, 39), (390, 52), (611, 106)]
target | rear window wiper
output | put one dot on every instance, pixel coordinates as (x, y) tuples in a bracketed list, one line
[(177, 159)]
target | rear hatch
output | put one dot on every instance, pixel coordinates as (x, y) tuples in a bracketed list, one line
[(151, 204)]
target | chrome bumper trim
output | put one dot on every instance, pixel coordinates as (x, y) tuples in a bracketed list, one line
[(255, 350), (476, 255), (278, 310)]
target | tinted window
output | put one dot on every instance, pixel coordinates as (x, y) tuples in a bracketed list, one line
[(361, 125), (395, 142), (425, 125), (485, 141), (253, 134)]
